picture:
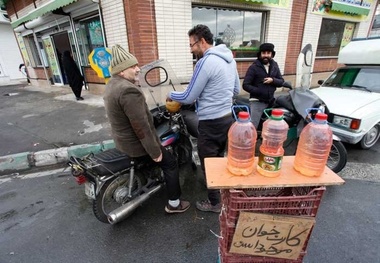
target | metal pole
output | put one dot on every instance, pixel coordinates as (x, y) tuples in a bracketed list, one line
[(80, 62), (242, 39), (216, 24), (76, 44), (102, 23)]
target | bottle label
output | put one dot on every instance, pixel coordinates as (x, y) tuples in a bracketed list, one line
[(270, 163)]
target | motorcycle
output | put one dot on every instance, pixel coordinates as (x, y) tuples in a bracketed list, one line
[(299, 107), (118, 184)]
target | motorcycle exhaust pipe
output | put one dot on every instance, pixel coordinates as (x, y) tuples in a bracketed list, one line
[(124, 211)]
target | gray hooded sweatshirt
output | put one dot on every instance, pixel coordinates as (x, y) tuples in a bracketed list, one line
[(214, 82)]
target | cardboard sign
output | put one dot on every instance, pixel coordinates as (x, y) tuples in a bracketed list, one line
[(270, 235)]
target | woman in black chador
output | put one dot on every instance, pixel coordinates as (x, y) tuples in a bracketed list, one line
[(74, 77)]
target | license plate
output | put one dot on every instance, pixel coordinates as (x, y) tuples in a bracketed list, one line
[(89, 190)]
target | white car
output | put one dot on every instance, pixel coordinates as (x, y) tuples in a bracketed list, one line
[(352, 93), (352, 96)]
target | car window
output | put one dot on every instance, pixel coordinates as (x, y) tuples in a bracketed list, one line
[(356, 78)]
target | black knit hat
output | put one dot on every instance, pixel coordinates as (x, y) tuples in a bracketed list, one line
[(121, 59), (266, 47)]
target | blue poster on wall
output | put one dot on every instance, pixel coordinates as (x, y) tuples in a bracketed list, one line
[(100, 61)]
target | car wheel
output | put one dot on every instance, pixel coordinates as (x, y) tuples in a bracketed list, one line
[(370, 138)]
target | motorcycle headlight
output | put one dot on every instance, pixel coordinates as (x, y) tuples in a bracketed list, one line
[(345, 122)]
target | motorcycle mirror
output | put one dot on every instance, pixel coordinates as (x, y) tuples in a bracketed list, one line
[(287, 84)]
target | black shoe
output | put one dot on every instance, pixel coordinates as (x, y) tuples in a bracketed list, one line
[(80, 98), (206, 206)]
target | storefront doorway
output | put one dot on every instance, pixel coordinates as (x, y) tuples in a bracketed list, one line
[(61, 43), (54, 46)]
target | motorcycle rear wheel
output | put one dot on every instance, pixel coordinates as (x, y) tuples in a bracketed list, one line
[(106, 201), (338, 157)]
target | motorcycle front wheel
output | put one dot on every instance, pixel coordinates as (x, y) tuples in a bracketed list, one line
[(113, 194), (338, 157)]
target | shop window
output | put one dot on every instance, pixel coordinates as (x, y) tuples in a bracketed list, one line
[(90, 36), (334, 35), (32, 51), (242, 31), (375, 30), (376, 22)]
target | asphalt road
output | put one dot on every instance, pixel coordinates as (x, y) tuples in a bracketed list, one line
[(46, 217)]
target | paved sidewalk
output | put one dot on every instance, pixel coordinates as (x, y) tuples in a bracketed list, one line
[(44, 126)]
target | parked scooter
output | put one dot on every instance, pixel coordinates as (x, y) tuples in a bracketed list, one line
[(295, 106), (118, 184)]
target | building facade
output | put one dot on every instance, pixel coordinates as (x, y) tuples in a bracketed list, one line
[(157, 29), (10, 57)]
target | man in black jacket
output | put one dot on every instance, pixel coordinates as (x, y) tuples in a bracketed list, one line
[(261, 80)]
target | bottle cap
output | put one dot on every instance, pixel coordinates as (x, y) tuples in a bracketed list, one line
[(321, 116), (243, 115), (277, 114)]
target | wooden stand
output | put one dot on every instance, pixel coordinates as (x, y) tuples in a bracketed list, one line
[(218, 177), (290, 194)]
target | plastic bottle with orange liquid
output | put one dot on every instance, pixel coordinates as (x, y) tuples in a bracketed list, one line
[(313, 147), (242, 137), (274, 133)]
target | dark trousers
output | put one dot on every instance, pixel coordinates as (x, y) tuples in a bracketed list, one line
[(212, 141), (169, 166), (257, 108)]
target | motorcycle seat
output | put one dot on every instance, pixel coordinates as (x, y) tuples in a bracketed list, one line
[(111, 161), (285, 101)]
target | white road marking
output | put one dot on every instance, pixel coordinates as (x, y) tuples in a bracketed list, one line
[(361, 171), (89, 99), (8, 178), (91, 127), (30, 115)]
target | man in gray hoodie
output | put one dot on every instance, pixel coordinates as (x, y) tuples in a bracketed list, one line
[(214, 82)]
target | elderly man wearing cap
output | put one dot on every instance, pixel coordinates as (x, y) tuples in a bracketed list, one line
[(132, 124), (261, 80)]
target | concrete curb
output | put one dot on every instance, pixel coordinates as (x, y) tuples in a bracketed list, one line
[(25, 160)]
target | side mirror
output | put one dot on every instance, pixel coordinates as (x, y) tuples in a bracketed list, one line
[(287, 84), (320, 81)]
